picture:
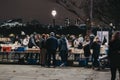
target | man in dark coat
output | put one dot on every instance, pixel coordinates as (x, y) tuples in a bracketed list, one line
[(63, 47), (51, 45)]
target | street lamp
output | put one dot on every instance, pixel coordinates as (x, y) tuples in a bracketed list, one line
[(54, 13)]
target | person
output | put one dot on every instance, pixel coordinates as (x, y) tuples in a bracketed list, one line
[(43, 50), (17, 40), (86, 49), (31, 44), (63, 47), (96, 52), (51, 46), (37, 42), (114, 54), (25, 41), (92, 36), (80, 39), (76, 43)]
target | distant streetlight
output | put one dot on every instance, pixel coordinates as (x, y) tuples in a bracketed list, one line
[(54, 13)]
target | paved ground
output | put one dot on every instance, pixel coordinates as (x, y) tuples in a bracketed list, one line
[(36, 72)]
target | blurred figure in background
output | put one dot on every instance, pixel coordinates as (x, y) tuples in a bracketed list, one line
[(80, 39), (43, 50), (51, 45), (17, 40), (86, 48), (25, 41), (31, 44), (96, 52), (63, 47), (32, 41), (76, 43)]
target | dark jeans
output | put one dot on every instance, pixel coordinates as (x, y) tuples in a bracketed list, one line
[(86, 61), (32, 56), (64, 56), (51, 54), (113, 71), (95, 61)]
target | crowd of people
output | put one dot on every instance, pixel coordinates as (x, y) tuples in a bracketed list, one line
[(50, 44)]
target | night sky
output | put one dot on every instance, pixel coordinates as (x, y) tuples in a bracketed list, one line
[(33, 9)]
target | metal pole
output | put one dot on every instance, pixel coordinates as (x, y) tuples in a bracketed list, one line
[(91, 12), (53, 22), (101, 35)]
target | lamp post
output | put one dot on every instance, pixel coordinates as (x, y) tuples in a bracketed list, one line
[(91, 13), (54, 13)]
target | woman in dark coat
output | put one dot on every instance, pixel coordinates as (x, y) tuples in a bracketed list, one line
[(96, 52), (86, 49), (114, 54)]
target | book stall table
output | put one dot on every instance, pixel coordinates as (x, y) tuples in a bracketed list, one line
[(16, 56), (77, 55)]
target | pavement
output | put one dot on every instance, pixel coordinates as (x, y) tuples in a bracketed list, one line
[(36, 72)]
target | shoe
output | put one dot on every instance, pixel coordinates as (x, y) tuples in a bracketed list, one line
[(54, 66), (98, 69), (43, 65), (62, 65), (47, 66)]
